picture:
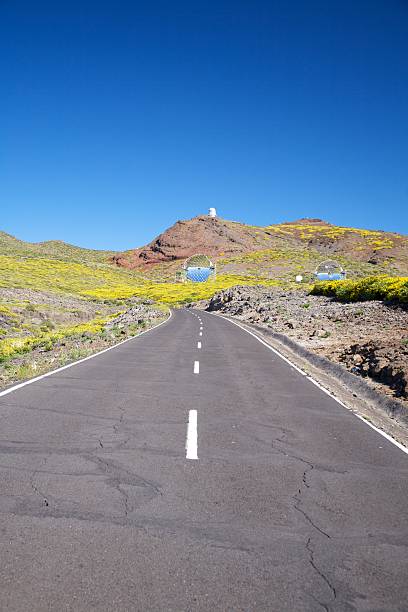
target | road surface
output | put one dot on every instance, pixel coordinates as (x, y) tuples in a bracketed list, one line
[(164, 476)]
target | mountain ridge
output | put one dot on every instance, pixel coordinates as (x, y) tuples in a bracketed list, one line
[(223, 240)]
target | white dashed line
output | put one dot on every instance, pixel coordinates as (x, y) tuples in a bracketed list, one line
[(191, 441), (196, 367), (198, 344), (201, 333)]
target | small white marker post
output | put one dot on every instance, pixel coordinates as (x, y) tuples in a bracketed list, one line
[(196, 367), (191, 441)]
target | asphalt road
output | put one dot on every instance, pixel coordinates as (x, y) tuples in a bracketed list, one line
[(293, 503)]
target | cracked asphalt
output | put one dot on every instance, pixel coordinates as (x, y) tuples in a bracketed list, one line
[(293, 505)]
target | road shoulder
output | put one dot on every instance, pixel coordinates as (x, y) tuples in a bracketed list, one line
[(357, 396)]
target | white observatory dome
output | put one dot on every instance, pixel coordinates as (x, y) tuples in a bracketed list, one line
[(212, 212)]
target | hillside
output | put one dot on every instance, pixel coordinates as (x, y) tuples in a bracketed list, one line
[(276, 251), (52, 249)]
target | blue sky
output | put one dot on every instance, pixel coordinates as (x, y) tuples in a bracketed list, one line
[(119, 117)]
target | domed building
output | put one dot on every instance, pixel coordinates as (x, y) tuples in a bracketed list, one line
[(198, 269), (329, 270)]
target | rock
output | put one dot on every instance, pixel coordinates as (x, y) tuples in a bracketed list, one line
[(319, 333), (137, 314), (357, 359)]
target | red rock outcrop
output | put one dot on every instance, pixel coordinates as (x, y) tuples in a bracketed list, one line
[(185, 238)]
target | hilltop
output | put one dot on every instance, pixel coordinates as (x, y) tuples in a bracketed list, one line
[(274, 251)]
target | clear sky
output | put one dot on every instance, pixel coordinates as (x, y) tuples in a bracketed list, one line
[(118, 117)]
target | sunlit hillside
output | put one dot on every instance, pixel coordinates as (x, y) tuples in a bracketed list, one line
[(276, 251), (243, 254)]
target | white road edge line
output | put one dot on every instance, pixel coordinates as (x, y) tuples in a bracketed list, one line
[(198, 344), (74, 363), (196, 367), (403, 448), (191, 441)]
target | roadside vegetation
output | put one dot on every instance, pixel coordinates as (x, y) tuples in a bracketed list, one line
[(386, 288), (28, 349), (18, 345)]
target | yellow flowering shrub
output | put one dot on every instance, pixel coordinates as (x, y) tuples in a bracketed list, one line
[(108, 283), (177, 293), (60, 276), (387, 288)]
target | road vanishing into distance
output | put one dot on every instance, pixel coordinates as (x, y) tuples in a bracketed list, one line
[(192, 468)]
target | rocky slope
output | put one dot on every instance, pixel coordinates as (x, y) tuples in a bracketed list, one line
[(369, 338), (186, 238), (274, 250)]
